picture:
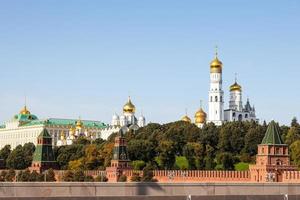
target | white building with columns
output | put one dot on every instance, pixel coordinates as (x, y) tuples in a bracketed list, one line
[(24, 127)]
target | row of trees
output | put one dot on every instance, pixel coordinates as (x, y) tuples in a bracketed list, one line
[(19, 158), (158, 146), (27, 176)]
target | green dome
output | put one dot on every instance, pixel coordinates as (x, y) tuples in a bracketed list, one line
[(25, 117)]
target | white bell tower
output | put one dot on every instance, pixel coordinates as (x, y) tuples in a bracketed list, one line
[(216, 94)]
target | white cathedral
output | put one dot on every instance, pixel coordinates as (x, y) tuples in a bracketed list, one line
[(216, 112), (128, 120)]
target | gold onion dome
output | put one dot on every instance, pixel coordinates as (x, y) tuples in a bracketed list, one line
[(62, 137), (235, 87), (200, 116), (129, 107), (186, 119), (216, 64), (79, 124), (24, 111)]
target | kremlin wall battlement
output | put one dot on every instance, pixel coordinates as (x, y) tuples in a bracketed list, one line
[(192, 176)]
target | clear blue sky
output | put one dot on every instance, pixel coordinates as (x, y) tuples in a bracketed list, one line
[(83, 58)]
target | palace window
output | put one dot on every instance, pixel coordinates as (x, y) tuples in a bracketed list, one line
[(216, 98)]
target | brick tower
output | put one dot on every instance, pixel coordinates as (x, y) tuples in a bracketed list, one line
[(272, 157), (120, 159), (43, 157)]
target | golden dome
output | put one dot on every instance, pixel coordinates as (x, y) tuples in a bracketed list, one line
[(62, 136), (235, 87), (186, 119), (79, 124), (200, 116), (24, 111), (216, 64), (129, 107), (72, 131)]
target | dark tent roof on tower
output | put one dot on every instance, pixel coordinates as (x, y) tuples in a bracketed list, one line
[(272, 135)]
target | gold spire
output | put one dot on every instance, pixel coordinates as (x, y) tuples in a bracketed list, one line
[(186, 118), (200, 115), (129, 107), (216, 64)]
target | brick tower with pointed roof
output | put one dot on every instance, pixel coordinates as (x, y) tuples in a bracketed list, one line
[(120, 160), (43, 157), (272, 157)]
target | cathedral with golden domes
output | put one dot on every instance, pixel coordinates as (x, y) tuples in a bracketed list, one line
[(216, 112), (127, 120)]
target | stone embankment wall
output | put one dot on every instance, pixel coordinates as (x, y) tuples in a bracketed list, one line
[(8, 190)]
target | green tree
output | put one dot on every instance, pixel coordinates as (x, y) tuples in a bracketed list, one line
[(28, 150), (138, 164), (294, 122), (4, 153), (166, 154), (16, 160), (295, 152), (226, 160), (292, 135)]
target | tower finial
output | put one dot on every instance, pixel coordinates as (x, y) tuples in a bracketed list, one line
[(235, 77), (216, 51), (186, 111), (201, 104)]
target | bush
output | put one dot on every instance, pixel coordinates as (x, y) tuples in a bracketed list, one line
[(10, 175), (88, 179), (68, 176), (2, 176), (122, 178), (23, 176), (148, 174), (50, 175), (135, 177), (101, 178), (79, 176)]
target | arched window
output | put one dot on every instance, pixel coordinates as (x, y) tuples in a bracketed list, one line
[(221, 98), (211, 99), (263, 150), (246, 116), (216, 98), (233, 114)]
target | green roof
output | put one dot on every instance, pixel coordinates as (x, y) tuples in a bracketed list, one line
[(272, 135), (44, 134), (66, 122), (43, 151)]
